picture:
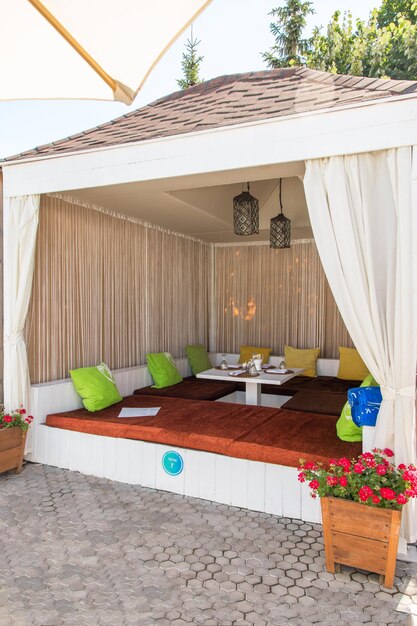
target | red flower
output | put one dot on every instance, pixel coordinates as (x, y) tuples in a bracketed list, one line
[(401, 499), (314, 484), (22, 411), (7, 419), (370, 462), (367, 455), (388, 452), (343, 481), (358, 468), (364, 493), (332, 480), (376, 500), (387, 493), (332, 462), (402, 467), (381, 470), (301, 477), (309, 465), (345, 463)]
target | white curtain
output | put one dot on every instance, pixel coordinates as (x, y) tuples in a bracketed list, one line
[(20, 227), (363, 214)]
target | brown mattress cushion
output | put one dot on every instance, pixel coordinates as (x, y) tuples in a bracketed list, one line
[(192, 388), (330, 383), (322, 402), (199, 425), (289, 436), (248, 432)]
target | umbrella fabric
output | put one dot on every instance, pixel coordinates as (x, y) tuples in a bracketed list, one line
[(99, 50)]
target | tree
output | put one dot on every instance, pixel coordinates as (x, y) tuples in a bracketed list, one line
[(378, 47), (190, 64), (289, 48), (391, 9)]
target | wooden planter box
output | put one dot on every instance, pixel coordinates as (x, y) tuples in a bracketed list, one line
[(12, 446), (360, 536)]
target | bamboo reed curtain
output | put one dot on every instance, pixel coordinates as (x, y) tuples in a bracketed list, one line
[(267, 297), (109, 289)]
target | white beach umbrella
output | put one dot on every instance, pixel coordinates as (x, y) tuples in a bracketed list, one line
[(86, 49)]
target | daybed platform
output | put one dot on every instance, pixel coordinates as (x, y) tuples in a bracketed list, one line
[(254, 433)]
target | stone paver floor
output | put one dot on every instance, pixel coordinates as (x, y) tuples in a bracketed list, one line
[(81, 550)]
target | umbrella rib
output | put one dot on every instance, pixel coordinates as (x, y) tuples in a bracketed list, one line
[(73, 42)]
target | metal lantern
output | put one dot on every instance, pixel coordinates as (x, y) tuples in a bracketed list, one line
[(245, 214), (280, 235)]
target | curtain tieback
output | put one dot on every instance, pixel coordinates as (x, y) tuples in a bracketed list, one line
[(390, 394), (13, 338)]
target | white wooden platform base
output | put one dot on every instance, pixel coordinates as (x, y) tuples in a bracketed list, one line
[(248, 484)]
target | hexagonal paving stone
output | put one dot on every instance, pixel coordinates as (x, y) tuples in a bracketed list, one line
[(99, 553)]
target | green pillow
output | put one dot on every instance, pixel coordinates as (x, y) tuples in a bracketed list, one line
[(162, 368), (345, 427), (96, 387), (198, 358)]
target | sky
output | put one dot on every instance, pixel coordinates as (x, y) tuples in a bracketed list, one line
[(233, 33)]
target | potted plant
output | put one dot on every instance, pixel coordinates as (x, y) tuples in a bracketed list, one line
[(361, 503), (13, 428)]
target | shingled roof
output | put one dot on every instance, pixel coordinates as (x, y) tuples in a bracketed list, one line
[(229, 100)]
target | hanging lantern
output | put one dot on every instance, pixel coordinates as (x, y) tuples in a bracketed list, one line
[(280, 235), (245, 214)]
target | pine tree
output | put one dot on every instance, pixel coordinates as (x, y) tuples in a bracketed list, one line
[(190, 64), (289, 48)]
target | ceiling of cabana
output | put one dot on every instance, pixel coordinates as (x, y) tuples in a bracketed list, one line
[(202, 206)]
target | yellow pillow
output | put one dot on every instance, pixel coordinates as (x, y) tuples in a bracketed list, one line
[(306, 359), (351, 366), (246, 353)]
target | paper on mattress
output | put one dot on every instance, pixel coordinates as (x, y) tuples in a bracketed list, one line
[(137, 412)]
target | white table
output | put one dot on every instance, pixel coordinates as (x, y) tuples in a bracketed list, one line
[(253, 384)]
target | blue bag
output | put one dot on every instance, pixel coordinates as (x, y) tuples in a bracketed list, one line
[(365, 403)]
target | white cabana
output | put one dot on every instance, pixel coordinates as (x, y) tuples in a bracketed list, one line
[(361, 191)]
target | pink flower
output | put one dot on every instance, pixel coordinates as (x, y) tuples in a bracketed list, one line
[(388, 452), (314, 484), (387, 493), (381, 470), (358, 468), (343, 481)]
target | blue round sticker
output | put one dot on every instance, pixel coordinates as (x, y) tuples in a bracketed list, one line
[(173, 463)]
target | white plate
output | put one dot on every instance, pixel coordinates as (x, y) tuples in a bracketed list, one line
[(277, 371)]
